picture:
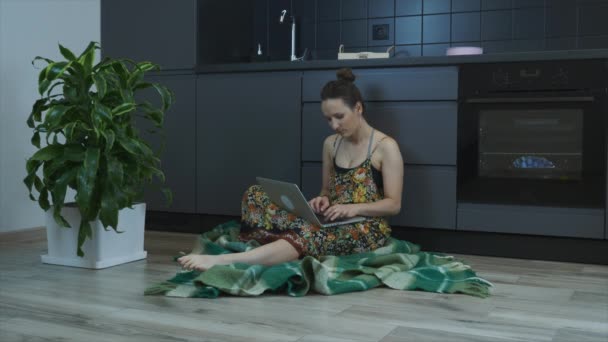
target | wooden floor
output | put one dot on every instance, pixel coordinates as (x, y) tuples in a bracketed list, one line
[(532, 301)]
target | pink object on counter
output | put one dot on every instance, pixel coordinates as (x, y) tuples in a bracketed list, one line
[(464, 50)]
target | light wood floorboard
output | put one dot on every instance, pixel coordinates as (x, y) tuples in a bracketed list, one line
[(532, 301)]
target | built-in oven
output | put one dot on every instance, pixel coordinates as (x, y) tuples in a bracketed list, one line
[(533, 133)]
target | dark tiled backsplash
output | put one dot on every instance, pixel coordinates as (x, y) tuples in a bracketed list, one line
[(429, 27)]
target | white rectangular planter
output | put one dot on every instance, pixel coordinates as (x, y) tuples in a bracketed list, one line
[(105, 249)]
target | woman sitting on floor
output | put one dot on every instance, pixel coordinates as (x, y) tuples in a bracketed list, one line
[(362, 176)]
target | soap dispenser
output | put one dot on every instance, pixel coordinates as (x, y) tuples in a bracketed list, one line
[(258, 54)]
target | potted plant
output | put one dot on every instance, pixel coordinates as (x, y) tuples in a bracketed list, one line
[(86, 115)]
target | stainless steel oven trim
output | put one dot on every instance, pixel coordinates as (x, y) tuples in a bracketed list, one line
[(530, 99)]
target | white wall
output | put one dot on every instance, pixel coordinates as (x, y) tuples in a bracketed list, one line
[(30, 28)]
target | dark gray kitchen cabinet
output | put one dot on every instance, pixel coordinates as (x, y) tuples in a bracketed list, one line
[(534, 220), (178, 157), (312, 179), (160, 31), (392, 84), (429, 197), (248, 125)]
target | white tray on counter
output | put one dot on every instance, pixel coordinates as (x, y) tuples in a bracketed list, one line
[(363, 55)]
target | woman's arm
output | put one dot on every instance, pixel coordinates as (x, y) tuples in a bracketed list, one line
[(321, 202), (392, 177), (328, 164)]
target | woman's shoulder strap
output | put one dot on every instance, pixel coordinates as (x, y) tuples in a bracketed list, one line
[(338, 145), (378, 144)]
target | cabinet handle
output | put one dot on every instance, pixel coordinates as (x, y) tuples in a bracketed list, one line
[(531, 99)]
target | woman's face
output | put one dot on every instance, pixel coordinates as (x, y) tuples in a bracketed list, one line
[(340, 117)]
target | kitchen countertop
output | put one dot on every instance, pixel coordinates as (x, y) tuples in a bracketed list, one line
[(404, 61)]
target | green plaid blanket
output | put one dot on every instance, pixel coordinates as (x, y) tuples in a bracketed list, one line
[(399, 265)]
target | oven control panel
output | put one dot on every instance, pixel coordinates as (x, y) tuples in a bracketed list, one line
[(533, 76)]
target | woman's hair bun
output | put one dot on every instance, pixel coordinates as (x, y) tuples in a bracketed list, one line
[(346, 74)]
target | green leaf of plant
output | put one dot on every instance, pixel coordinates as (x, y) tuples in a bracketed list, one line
[(32, 165), (38, 58), (127, 144), (158, 173), (102, 112), (147, 66), (37, 109), (144, 149), (89, 49), (66, 53), (108, 214), (142, 85), (86, 182), (84, 232), (71, 94), (109, 136), (42, 74), (135, 77), (43, 86), (60, 220), (58, 194), (74, 152), (153, 114), (166, 96), (29, 181), (100, 84), (168, 195), (123, 108), (126, 94), (122, 72), (36, 139), (48, 152), (38, 183), (87, 58), (43, 199), (77, 72), (69, 130), (115, 171), (56, 70), (56, 84), (54, 115)]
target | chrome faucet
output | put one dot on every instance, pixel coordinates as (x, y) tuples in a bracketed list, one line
[(293, 35)]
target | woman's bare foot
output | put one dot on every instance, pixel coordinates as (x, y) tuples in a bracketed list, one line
[(201, 262)]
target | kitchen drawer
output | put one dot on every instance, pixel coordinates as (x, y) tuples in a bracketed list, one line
[(548, 221), (391, 84), (429, 195), (425, 131), (236, 143), (311, 179), (179, 150)]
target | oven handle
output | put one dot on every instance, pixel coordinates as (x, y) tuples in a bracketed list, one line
[(530, 99)]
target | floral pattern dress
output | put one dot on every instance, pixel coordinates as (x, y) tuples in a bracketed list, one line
[(265, 222)]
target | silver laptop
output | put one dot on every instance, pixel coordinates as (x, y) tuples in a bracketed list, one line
[(289, 197)]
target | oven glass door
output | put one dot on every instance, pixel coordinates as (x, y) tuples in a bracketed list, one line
[(531, 143), (532, 152)]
